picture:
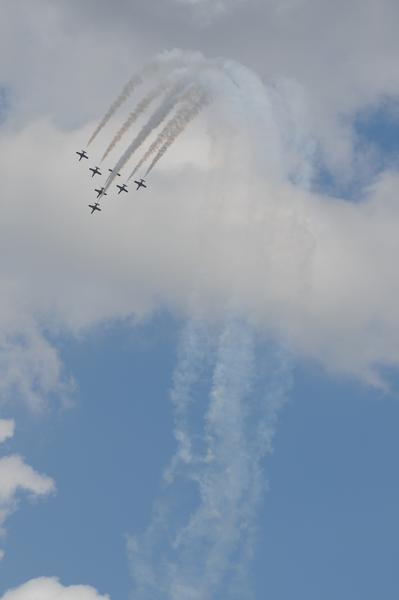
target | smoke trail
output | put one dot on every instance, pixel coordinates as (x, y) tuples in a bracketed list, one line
[(129, 88), (147, 553), (135, 114), (194, 351), (201, 553), (179, 126), (177, 94), (197, 97), (167, 61)]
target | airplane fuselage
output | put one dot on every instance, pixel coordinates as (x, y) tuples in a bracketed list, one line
[(140, 184), (100, 192), (95, 171), (94, 207), (82, 154)]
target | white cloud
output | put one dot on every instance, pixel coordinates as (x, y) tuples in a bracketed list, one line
[(343, 54), (7, 427), (217, 227), (17, 477), (316, 270), (228, 224), (49, 588), (29, 365)]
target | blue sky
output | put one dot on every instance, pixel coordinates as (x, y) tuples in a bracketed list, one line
[(199, 385), (118, 433), (376, 136), (330, 515)]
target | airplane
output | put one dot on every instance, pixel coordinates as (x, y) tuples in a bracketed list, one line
[(122, 188), (111, 171), (94, 207), (82, 154), (95, 171), (140, 184), (100, 192)]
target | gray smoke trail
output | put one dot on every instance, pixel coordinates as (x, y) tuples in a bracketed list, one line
[(196, 97), (217, 470), (135, 114), (177, 94), (168, 61), (182, 120), (129, 88)]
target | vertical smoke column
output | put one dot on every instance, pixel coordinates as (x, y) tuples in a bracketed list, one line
[(201, 539)]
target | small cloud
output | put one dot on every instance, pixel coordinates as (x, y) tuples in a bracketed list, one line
[(7, 427), (49, 588), (17, 477)]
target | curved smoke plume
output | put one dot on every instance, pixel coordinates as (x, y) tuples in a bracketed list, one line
[(184, 118), (179, 92), (194, 101), (165, 62)]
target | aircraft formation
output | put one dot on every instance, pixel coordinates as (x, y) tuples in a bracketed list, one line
[(177, 86), (100, 191)]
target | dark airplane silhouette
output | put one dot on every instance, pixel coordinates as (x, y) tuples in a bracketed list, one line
[(122, 188), (140, 184), (111, 171), (95, 171), (82, 154), (94, 207), (100, 192)]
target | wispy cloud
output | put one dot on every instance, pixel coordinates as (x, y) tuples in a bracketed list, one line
[(17, 477), (30, 366), (7, 428)]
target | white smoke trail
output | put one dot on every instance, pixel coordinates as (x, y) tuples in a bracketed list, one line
[(177, 94), (196, 99), (192, 556), (135, 114), (148, 560), (182, 120)]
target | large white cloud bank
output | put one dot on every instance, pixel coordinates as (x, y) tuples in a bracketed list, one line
[(229, 221)]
